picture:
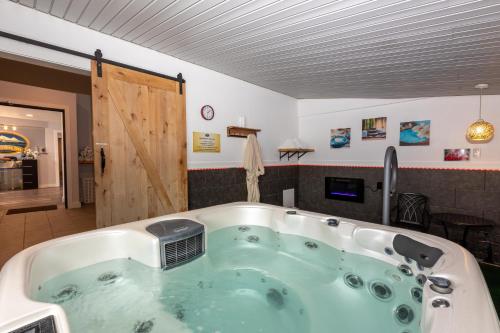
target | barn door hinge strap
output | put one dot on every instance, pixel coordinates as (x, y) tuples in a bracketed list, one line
[(98, 60), (181, 81)]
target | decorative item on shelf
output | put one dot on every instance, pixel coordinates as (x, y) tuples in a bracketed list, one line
[(292, 147), (86, 155), (241, 132), (480, 130), (242, 122), (207, 112), (30, 154)]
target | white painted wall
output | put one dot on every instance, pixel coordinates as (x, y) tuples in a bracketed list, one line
[(272, 112), (450, 117), (49, 163)]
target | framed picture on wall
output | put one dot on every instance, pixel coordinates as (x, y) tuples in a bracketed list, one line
[(13, 142), (457, 154), (374, 128), (415, 133), (340, 138)]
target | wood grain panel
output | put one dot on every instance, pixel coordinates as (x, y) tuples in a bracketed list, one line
[(118, 97), (146, 172), (131, 76), (100, 128)]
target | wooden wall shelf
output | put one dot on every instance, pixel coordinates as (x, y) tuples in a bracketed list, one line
[(86, 162), (241, 132), (290, 152)]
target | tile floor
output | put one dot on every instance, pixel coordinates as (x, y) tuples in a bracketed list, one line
[(30, 198), (20, 231)]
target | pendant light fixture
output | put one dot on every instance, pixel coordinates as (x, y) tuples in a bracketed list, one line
[(480, 130)]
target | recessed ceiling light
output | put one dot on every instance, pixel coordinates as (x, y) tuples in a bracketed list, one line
[(29, 115)]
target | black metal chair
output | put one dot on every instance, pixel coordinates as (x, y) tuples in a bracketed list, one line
[(490, 246), (412, 211)]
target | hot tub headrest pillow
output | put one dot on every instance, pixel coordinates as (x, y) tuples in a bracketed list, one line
[(423, 254)]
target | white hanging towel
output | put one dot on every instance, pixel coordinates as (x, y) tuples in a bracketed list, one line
[(254, 167)]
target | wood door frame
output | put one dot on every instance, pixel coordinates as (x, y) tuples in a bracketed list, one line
[(60, 157), (45, 108)]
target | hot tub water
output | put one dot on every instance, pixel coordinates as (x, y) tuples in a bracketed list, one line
[(251, 279)]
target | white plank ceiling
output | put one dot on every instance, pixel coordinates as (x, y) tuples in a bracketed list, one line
[(314, 48)]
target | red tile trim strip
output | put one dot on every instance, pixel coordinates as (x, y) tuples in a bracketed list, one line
[(349, 166), (401, 167), (225, 168)]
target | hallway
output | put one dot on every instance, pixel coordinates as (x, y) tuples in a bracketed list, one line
[(20, 231)]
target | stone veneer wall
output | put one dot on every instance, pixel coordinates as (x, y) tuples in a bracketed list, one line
[(471, 192), (208, 187)]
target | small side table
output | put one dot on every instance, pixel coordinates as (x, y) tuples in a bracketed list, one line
[(466, 222)]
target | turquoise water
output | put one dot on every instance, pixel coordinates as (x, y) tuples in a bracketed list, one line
[(251, 279), (410, 136)]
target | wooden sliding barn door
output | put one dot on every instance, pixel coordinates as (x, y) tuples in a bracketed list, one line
[(139, 124)]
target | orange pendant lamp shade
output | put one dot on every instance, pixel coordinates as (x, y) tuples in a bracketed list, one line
[(480, 130)]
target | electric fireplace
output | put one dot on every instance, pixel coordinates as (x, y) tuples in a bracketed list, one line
[(345, 189)]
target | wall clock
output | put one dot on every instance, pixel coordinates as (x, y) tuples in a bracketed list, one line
[(207, 112)]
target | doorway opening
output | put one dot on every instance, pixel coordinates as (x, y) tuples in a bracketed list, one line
[(32, 158), (45, 90)]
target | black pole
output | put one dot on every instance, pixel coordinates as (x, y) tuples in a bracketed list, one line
[(45, 45), (88, 56)]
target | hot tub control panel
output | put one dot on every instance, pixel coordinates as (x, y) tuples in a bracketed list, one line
[(45, 325)]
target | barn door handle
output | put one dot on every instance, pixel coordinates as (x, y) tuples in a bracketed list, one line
[(103, 161)]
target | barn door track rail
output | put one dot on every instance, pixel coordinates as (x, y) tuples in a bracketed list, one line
[(97, 56)]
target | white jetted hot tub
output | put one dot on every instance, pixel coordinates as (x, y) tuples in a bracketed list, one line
[(246, 268)]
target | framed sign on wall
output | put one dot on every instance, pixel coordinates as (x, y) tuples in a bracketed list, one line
[(206, 142)]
